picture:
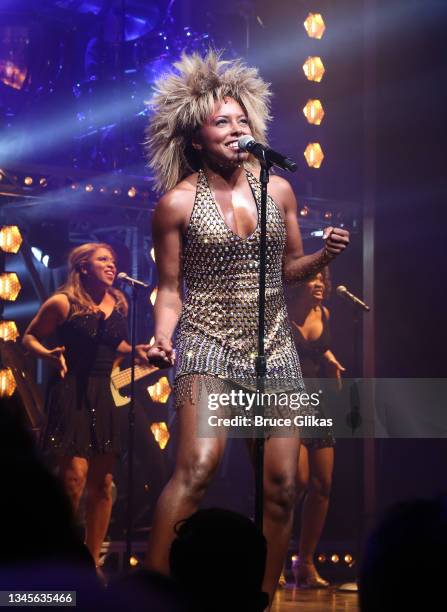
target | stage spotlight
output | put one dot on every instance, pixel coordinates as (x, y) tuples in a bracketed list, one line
[(9, 286), (43, 182), (153, 296), (304, 211), (8, 331), (335, 558), (321, 558), (328, 214), (7, 382), (116, 191), (161, 391), (161, 434), (315, 25), (294, 558), (74, 186), (102, 190), (10, 239), (89, 188), (314, 155), (28, 180), (349, 559), (314, 112), (133, 561), (132, 192), (314, 69)]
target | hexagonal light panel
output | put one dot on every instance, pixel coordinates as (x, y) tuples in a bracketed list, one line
[(161, 391), (7, 382), (10, 239), (314, 25), (8, 330), (314, 112), (161, 434), (314, 69), (9, 286), (314, 155)]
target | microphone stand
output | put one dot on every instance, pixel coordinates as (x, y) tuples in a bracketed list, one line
[(261, 364), (131, 425)]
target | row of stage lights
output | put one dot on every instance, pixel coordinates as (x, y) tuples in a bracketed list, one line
[(314, 70), (10, 243), (40, 183), (329, 558)]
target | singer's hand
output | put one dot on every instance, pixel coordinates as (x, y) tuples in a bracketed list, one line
[(161, 354), (141, 357), (334, 368), (57, 360), (337, 239)]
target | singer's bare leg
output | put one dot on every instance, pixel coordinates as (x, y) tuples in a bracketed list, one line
[(280, 465), (99, 502), (197, 461), (73, 474), (314, 477)]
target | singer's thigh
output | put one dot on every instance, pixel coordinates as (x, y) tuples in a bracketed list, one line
[(197, 457)]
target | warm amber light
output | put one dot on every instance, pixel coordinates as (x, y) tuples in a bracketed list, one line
[(314, 155), (314, 25), (314, 112), (335, 558), (160, 391), (314, 69), (28, 180), (9, 286), (7, 382), (132, 192), (161, 434), (304, 211), (133, 561), (10, 239), (89, 187), (348, 559), (321, 558), (8, 330), (153, 296)]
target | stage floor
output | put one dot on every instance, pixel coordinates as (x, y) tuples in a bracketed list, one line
[(317, 600)]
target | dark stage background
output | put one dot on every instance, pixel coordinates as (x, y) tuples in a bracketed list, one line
[(78, 119)]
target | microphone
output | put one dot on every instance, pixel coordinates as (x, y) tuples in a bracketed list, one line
[(132, 282), (263, 153), (347, 295)]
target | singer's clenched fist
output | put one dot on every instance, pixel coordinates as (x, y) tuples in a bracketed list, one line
[(337, 239), (161, 354)]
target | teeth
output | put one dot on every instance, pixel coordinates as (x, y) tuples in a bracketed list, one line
[(233, 145)]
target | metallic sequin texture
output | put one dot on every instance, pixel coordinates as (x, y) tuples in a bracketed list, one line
[(219, 321)]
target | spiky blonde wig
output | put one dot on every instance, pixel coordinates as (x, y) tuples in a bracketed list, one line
[(185, 98)]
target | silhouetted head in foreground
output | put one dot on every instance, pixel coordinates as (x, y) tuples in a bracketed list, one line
[(405, 557), (218, 561)]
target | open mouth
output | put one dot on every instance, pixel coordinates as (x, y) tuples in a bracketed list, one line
[(233, 145)]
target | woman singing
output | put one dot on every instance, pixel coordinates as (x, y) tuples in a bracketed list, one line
[(89, 318), (206, 234), (310, 326)]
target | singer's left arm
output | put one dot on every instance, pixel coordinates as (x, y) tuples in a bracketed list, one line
[(296, 265)]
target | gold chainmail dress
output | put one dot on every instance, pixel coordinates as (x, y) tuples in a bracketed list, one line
[(219, 323)]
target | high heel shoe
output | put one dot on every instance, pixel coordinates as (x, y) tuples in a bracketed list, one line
[(307, 577)]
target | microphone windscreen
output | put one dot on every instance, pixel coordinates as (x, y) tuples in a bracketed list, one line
[(244, 141), (341, 290)]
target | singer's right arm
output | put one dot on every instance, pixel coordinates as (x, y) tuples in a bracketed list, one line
[(167, 224)]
